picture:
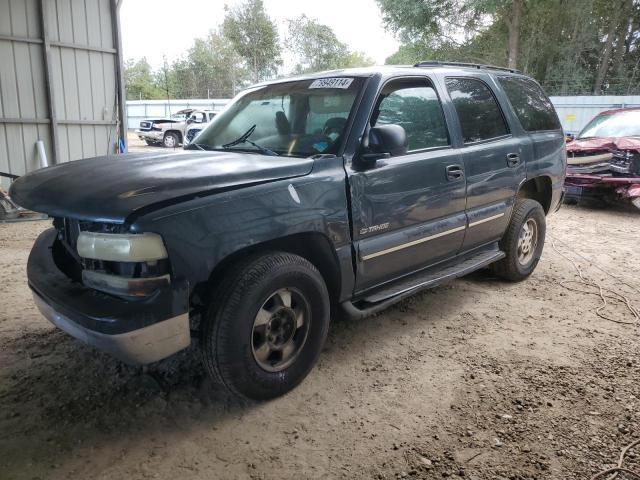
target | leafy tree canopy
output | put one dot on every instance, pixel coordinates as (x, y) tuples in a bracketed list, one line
[(255, 38), (317, 47), (590, 46)]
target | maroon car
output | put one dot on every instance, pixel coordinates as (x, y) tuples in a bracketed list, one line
[(604, 159)]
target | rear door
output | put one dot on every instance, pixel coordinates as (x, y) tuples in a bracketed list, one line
[(493, 158), (408, 211)]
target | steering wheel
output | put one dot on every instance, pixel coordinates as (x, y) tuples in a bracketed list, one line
[(335, 126)]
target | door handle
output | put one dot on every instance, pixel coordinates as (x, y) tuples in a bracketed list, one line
[(454, 172), (513, 160)]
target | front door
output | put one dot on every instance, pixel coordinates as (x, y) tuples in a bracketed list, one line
[(409, 210)]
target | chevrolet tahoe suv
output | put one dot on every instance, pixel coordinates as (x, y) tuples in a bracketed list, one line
[(339, 192)]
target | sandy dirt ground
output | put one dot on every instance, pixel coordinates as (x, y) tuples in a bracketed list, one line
[(479, 379)]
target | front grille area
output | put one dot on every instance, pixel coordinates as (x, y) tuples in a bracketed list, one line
[(65, 253), (625, 162), (66, 256), (70, 228)]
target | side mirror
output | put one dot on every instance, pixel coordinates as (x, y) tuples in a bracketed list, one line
[(384, 141)]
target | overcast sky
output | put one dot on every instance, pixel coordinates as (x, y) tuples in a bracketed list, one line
[(153, 28)]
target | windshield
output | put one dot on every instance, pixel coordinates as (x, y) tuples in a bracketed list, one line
[(618, 124), (299, 118)]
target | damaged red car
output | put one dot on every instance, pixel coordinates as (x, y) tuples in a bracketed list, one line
[(604, 160)]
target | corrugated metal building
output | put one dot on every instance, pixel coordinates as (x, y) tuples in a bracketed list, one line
[(138, 110), (575, 112), (60, 81)]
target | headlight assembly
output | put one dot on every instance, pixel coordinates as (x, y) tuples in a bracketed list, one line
[(115, 247)]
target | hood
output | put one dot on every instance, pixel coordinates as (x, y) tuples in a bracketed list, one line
[(111, 188), (161, 120), (604, 143)]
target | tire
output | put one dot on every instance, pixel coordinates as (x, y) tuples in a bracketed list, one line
[(170, 140), (248, 316), (520, 261)]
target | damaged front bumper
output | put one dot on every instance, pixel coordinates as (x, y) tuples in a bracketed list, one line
[(581, 185), (134, 331), (150, 135), (604, 175)]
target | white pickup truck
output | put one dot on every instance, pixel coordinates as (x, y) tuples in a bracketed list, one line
[(170, 132)]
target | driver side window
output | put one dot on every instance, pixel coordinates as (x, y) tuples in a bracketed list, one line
[(198, 117), (414, 105)]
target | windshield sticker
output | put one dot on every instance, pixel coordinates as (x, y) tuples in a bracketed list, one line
[(320, 146), (342, 83)]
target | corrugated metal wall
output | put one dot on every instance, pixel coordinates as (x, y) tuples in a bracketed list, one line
[(60, 80), (138, 110), (575, 112)]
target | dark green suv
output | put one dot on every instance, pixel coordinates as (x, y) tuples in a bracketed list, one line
[(339, 192)]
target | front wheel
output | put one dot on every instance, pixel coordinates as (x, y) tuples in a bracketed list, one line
[(170, 140), (522, 242), (266, 325)]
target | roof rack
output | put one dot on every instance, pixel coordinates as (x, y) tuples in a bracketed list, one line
[(438, 63)]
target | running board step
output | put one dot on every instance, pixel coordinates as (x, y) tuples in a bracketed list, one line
[(404, 288)]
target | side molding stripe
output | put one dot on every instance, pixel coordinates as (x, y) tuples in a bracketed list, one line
[(414, 242), (488, 219)]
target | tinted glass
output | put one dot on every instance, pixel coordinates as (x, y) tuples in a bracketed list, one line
[(479, 113), (533, 108), (414, 105), (300, 118)]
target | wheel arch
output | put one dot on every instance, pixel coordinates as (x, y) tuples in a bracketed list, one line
[(539, 189), (313, 246), (175, 132)]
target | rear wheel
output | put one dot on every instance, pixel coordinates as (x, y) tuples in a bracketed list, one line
[(266, 325), (523, 241), (170, 140)]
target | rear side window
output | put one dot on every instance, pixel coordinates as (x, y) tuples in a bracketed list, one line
[(479, 113), (533, 108)]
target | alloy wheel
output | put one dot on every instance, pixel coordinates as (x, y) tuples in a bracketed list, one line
[(280, 329)]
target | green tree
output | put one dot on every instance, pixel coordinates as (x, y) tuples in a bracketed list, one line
[(442, 24), (590, 46), (140, 82), (254, 37), (213, 68), (317, 47)]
